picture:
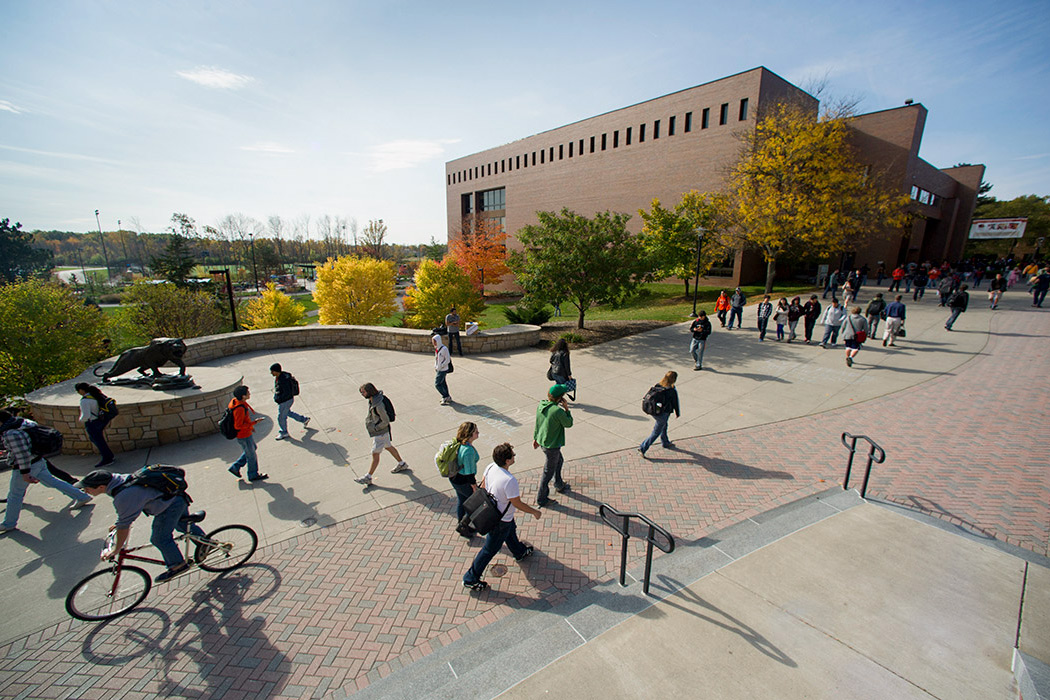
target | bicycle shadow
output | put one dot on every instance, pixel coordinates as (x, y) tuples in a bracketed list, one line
[(223, 644)]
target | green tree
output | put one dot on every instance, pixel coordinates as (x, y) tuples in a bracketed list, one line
[(49, 336), (356, 291), (1033, 207), (165, 310), (175, 263), (438, 287), (274, 309), (19, 259), (568, 257), (798, 188), (670, 236), (435, 250)]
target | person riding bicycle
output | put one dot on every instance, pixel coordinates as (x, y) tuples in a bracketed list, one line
[(129, 502)]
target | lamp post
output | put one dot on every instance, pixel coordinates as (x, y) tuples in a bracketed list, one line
[(123, 244), (105, 255), (255, 271), (696, 283), (229, 293)]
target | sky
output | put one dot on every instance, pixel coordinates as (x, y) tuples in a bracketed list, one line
[(141, 109)]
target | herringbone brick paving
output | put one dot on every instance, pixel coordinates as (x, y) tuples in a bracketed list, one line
[(337, 609)]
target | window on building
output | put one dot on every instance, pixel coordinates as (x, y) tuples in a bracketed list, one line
[(467, 203), (656, 129), (592, 144), (581, 147), (603, 142), (627, 137), (705, 118), (571, 144), (492, 200), (561, 152), (914, 192), (616, 139), (688, 122), (743, 109), (723, 114), (641, 133), (552, 154), (534, 157), (543, 154), (517, 162), (670, 126)]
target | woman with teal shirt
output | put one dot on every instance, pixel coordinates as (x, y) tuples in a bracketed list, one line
[(465, 481)]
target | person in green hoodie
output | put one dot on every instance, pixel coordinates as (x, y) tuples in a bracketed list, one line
[(552, 418)]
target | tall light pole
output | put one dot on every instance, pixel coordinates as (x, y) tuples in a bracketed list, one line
[(102, 239), (696, 283), (255, 271), (123, 245)]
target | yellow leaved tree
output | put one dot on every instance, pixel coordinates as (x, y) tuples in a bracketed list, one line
[(440, 286), (274, 309), (355, 290)]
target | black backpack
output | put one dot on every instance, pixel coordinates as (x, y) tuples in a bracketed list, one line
[(44, 441), (108, 410), (294, 384), (169, 480), (226, 424), (389, 406), (654, 401)]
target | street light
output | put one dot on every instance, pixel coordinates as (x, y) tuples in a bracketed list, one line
[(696, 284), (229, 293), (105, 255)]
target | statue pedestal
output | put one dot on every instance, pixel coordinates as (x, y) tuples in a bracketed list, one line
[(147, 417)]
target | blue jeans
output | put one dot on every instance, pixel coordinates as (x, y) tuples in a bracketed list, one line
[(163, 525), (17, 492), (952, 318), (831, 334), (762, 324), (463, 492), (441, 385), (459, 343), (696, 349), (738, 314), (284, 411), (247, 457), (1037, 296), (551, 469), (659, 431), (95, 429), (506, 531)]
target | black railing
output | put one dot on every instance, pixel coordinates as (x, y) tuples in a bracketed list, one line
[(872, 449), (621, 523)]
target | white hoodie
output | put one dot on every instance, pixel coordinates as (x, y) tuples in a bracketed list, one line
[(441, 357)]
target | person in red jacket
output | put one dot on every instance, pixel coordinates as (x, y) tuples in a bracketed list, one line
[(722, 307), (244, 419), (897, 275)]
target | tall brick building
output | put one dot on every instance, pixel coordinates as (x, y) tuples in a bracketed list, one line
[(687, 140)]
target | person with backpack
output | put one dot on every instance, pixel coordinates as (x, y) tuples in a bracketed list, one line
[(958, 303), (462, 472), (134, 494), (442, 367), (377, 422), (854, 333), (504, 488), (548, 434), (810, 312), (560, 371), (30, 466), (285, 389), (96, 411), (659, 402), (244, 420), (701, 329)]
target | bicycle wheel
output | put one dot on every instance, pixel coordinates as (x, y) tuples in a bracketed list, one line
[(226, 548), (95, 598)]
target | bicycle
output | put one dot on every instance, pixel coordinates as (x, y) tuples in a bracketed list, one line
[(120, 588)]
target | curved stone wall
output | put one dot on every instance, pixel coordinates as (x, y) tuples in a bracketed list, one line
[(148, 418)]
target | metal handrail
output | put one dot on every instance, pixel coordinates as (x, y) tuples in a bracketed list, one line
[(623, 527), (852, 447)]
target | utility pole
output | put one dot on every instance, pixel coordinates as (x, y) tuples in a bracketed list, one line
[(102, 239)]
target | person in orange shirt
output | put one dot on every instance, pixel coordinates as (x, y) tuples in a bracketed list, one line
[(722, 307), (244, 420), (897, 276)]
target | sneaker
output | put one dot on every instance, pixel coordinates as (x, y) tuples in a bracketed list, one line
[(563, 488), (669, 446), (401, 466), (849, 361), (696, 369), (526, 554), (77, 505), (281, 436), (172, 573), (8, 528), (446, 401), (642, 453), (259, 477), (466, 532), (547, 504), (476, 586), (235, 472), (366, 479), (306, 422)]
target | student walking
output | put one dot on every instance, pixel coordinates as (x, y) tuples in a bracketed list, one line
[(810, 312), (503, 487), (285, 389), (958, 303), (377, 423), (442, 367), (96, 411), (660, 402), (833, 317), (701, 329), (854, 333), (244, 420), (762, 314), (722, 307), (781, 316), (27, 467), (875, 311), (795, 312), (995, 290), (548, 434), (736, 308), (560, 371), (895, 313), (464, 481)]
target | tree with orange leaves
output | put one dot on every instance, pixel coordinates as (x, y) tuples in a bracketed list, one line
[(481, 250)]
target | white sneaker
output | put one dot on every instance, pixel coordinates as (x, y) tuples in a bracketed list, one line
[(8, 528), (446, 401), (281, 436), (79, 504), (401, 466), (366, 479)]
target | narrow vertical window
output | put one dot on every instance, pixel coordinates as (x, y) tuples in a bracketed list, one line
[(705, 118), (670, 126), (627, 137), (581, 147), (592, 144), (542, 154), (552, 154), (571, 144), (616, 139), (723, 114), (561, 151), (534, 157), (603, 142), (656, 129), (641, 133), (688, 122), (517, 162), (743, 109)]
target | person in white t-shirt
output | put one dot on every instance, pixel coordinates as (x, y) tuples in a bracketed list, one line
[(503, 486)]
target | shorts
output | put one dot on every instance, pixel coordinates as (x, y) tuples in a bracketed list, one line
[(381, 442), (852, 344)]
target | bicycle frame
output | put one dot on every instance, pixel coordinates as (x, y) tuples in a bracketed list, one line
[(127, 554)]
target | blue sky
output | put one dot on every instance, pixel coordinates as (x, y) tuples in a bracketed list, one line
[(141, 109)]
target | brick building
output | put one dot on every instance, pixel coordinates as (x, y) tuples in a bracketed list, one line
[(687, 140)]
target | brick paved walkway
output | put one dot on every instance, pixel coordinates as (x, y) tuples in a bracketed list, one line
[(338, 608)]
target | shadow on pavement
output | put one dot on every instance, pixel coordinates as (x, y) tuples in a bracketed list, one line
[(67, 566), (285, 505), (722, 467), (322, 449)]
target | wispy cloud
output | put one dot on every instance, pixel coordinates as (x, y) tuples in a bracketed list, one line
[(1033, 157), (56, 154), (398, 155), (6, 106), (212, 77), (268, 147)]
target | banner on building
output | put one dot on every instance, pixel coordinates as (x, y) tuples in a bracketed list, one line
[(998, 228)]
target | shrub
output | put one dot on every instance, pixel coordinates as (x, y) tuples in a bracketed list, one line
[(532, 313), (440, 286), (166, 311), (353, 290), (571, 337), (273, 309)]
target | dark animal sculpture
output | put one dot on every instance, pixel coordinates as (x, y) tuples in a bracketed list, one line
[(151, 357)]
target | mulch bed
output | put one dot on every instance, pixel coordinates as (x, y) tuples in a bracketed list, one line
[(595, 332)]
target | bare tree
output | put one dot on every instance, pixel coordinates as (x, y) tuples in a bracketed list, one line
[(325, 231), (372, 238), (301, 234), (275, 227)]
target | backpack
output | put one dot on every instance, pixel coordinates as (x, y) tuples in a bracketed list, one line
[(445, 459), (44, 441), (389, 406), (294, 384), (108, 410), (169, 480), (653, 403), (226, 424)]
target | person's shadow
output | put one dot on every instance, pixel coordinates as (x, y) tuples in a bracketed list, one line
[(68, 565), (285, 505)]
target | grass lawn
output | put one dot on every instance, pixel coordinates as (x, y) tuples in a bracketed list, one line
[(661, 301)]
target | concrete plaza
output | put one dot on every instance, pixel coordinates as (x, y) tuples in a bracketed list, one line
[(357, 589)]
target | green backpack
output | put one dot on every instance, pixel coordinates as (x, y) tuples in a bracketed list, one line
[(446, 459)]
